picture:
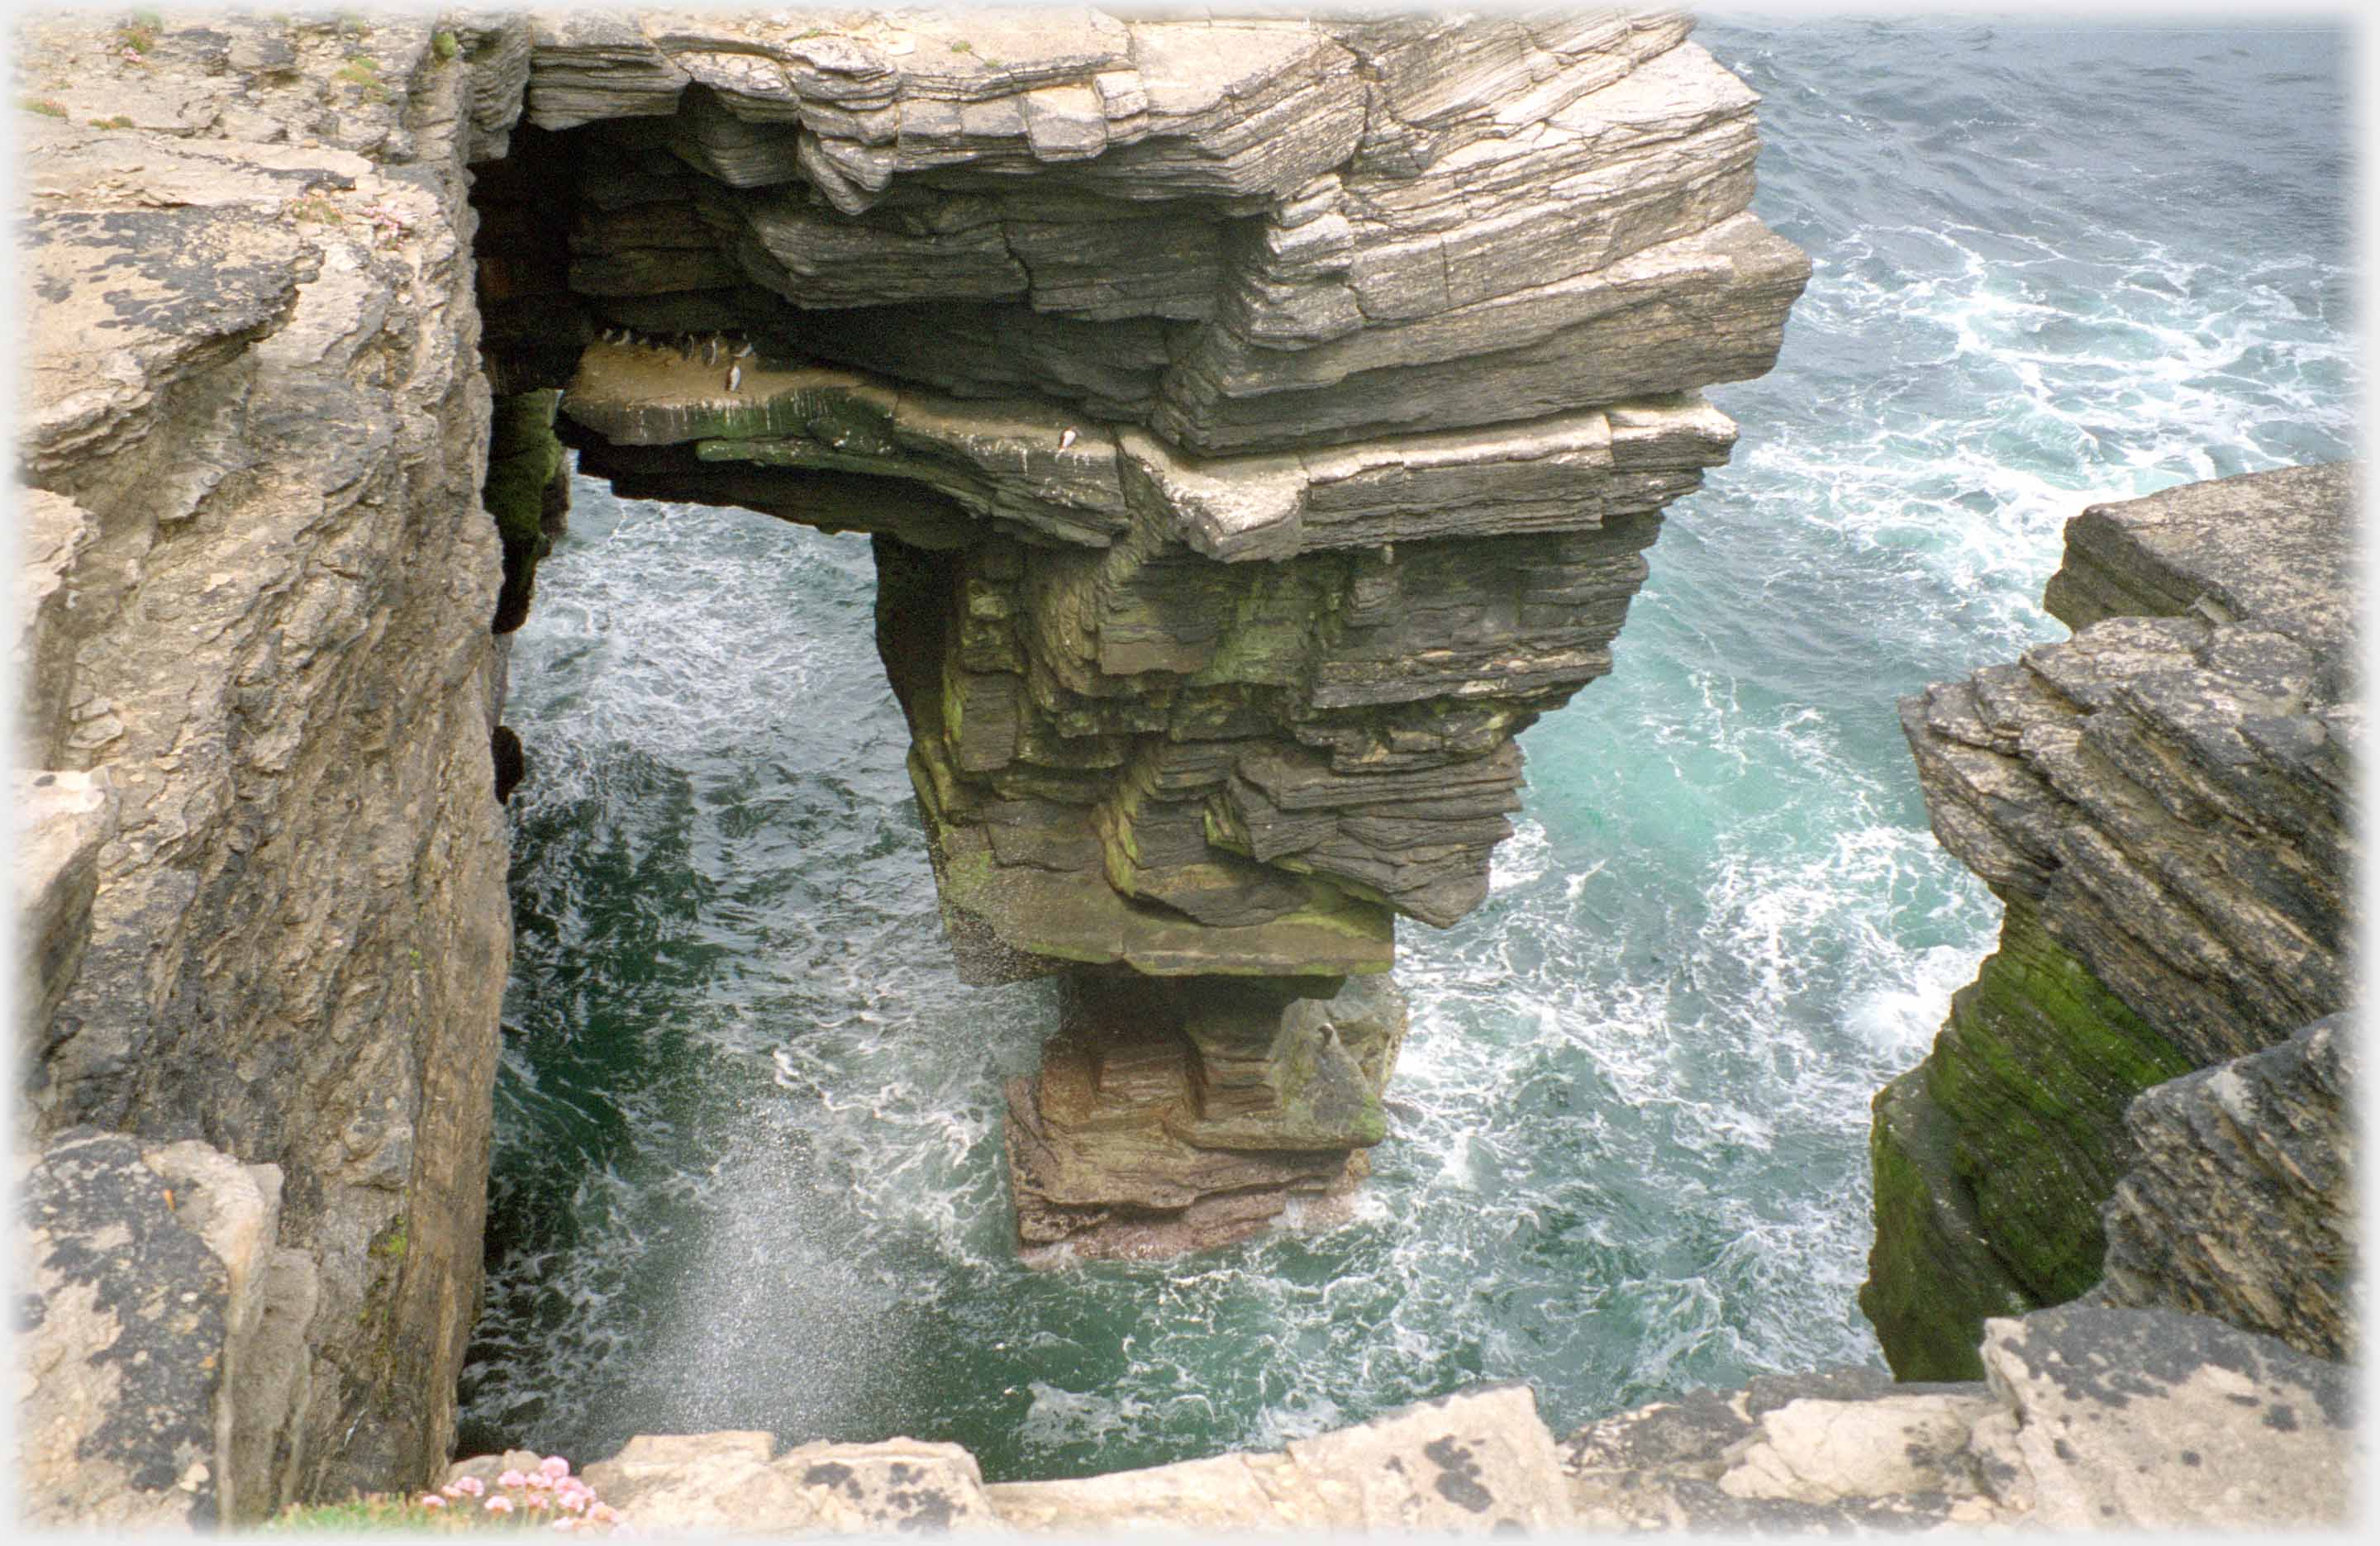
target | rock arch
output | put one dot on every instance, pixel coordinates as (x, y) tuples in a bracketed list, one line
[(1260, 425)]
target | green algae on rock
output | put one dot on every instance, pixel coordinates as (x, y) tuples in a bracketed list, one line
[(1993, 1157), (2162, 803)]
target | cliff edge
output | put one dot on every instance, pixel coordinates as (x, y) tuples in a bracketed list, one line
[(265, 872), (2162, 803)]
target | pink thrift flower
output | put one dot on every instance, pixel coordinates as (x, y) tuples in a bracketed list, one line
[(471, 1486), (554, 1466), (537, 1482), (450, 1491), (512, 1479), (432, 1500), (500, 1504), (576, 1503), (603, 1514), (537, 1503)]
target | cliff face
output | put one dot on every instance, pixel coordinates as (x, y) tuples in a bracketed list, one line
[(267, 869), (1261, 422), (2162, 802)]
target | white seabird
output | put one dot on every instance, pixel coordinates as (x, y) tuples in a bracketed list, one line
[(734, 377), (1065, 440)]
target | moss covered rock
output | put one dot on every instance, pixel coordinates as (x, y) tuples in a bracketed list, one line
[(526, 491), (1994, 1155)]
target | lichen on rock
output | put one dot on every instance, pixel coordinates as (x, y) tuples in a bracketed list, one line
[(274, 925)]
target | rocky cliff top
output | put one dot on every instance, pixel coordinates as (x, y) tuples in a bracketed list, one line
[(2275, 547), (2085, 1420)]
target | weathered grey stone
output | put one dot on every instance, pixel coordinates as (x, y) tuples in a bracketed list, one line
[(154, 1385), (2088, 1418), (1476, 1462), (2241, 1203), (1155, 108), (62, 821), (1843, 1449), (2146, 1418), (2266, 545), (127, 1321), (729, 1482), (2171, 788), (251, 368), (1706, 308), (2162, 803)]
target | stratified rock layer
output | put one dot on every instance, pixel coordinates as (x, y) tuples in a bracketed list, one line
[(1261, 421), (1171, 1116), (268, 899), (2162, 803), (2241, 1200)]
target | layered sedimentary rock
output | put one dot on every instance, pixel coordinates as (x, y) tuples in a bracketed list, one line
[(2241, 1201), (1261, 421), (268, 867), (2162, 803)]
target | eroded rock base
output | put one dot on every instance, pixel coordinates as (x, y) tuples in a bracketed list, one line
[(1172, 1114)]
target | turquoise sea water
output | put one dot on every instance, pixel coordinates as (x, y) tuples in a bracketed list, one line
[(748, 1171)]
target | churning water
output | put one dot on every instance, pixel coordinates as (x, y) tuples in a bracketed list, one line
[(748, 1172)]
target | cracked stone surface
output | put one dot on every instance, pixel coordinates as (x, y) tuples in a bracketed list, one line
[(1477, 1462), (738, 1481), (2088, 1418), (163, 1372), (2241, 1201)]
